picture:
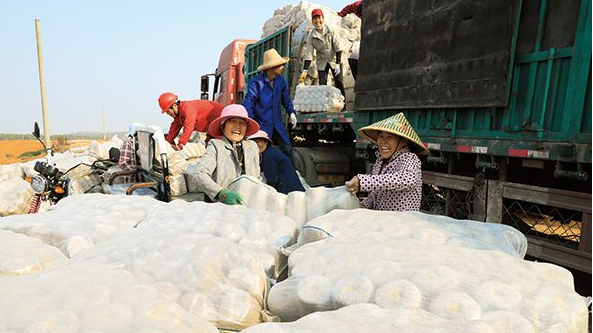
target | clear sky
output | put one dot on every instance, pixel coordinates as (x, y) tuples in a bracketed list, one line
[(117, 55)]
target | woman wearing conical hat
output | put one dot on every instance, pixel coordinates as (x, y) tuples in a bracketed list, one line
[(396, 180)]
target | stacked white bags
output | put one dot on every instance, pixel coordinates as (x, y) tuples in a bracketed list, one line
[(449, 281), (82, 297), (431, 229), (21, 255), (15, 195), (10, 171), (262, 232), (79, 222), (100, 151), (300, 206), (309, 99), (299, 17), (371, 318), (295, 15), (210, 277)]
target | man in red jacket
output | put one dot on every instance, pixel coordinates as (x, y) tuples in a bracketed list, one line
[(192, 116)]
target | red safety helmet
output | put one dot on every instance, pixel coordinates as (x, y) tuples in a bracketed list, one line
[(166, 100)]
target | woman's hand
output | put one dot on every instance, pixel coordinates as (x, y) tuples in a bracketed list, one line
[(353, 185), (230, 197)]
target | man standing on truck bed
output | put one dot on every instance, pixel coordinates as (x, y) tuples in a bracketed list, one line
[(266, 91), (327, 45), (195, 115)]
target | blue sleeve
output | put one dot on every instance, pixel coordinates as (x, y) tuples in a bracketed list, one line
[(286, 101), (270, 168), (251, 97)]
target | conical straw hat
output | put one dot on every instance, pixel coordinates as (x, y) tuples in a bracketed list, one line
[(397, 125), (272, 59)]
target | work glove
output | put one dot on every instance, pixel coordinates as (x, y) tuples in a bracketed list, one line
[(293, 120), (230, 197), (303, 76), (337, 70)]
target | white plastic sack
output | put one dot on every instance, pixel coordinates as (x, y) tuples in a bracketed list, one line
[(10, 171), (193, 150), (81, 221), (80, 185), (100, 151), (83, 297), (210, 277), (262, 232), (15, 195), (20, 254), (318, 99), (191, 178), (178, 185), (449, 281), (300, 206), (371, 318), (365, 224)]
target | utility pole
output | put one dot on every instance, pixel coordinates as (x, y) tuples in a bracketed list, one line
[(42, 84), (103, 113)]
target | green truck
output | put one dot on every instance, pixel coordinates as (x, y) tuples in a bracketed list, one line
[(499, 91)]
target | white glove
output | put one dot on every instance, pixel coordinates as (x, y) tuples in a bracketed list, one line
[(337, 70), (293, 120)]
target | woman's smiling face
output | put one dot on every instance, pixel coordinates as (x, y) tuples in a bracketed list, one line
[(390, 143), (234, 129)]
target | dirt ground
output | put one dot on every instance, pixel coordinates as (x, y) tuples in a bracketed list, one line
[(13, 151)]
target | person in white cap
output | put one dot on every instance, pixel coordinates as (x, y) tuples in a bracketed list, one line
[(277, 168), (396, 180), (328, 47), (265, 93), (228, 155)]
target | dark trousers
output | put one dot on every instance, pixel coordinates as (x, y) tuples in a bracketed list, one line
[(353, 67), (286, 149), (337, 79)]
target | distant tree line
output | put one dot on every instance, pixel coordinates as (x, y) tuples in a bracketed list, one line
[(70, 136)]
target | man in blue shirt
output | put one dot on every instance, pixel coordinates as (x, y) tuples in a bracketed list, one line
[(266, 91), (278, 171)]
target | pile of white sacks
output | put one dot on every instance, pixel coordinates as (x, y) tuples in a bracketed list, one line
[(299, 17), (309, 99), (299, 206), (428, 273), (16, 193), (90, 297), (114, 263)]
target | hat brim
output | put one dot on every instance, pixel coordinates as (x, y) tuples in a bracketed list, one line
[(215, 130), (273, 64), (261, 138), (371, 133)]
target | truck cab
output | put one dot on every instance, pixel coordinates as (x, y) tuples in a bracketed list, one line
[(229, 80)]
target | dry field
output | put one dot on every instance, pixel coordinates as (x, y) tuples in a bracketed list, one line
[(13, 151)]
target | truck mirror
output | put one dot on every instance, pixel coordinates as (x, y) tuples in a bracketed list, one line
[(204, 83), (36, 132)]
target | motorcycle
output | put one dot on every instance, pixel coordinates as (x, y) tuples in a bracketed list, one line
[(51, 184)]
